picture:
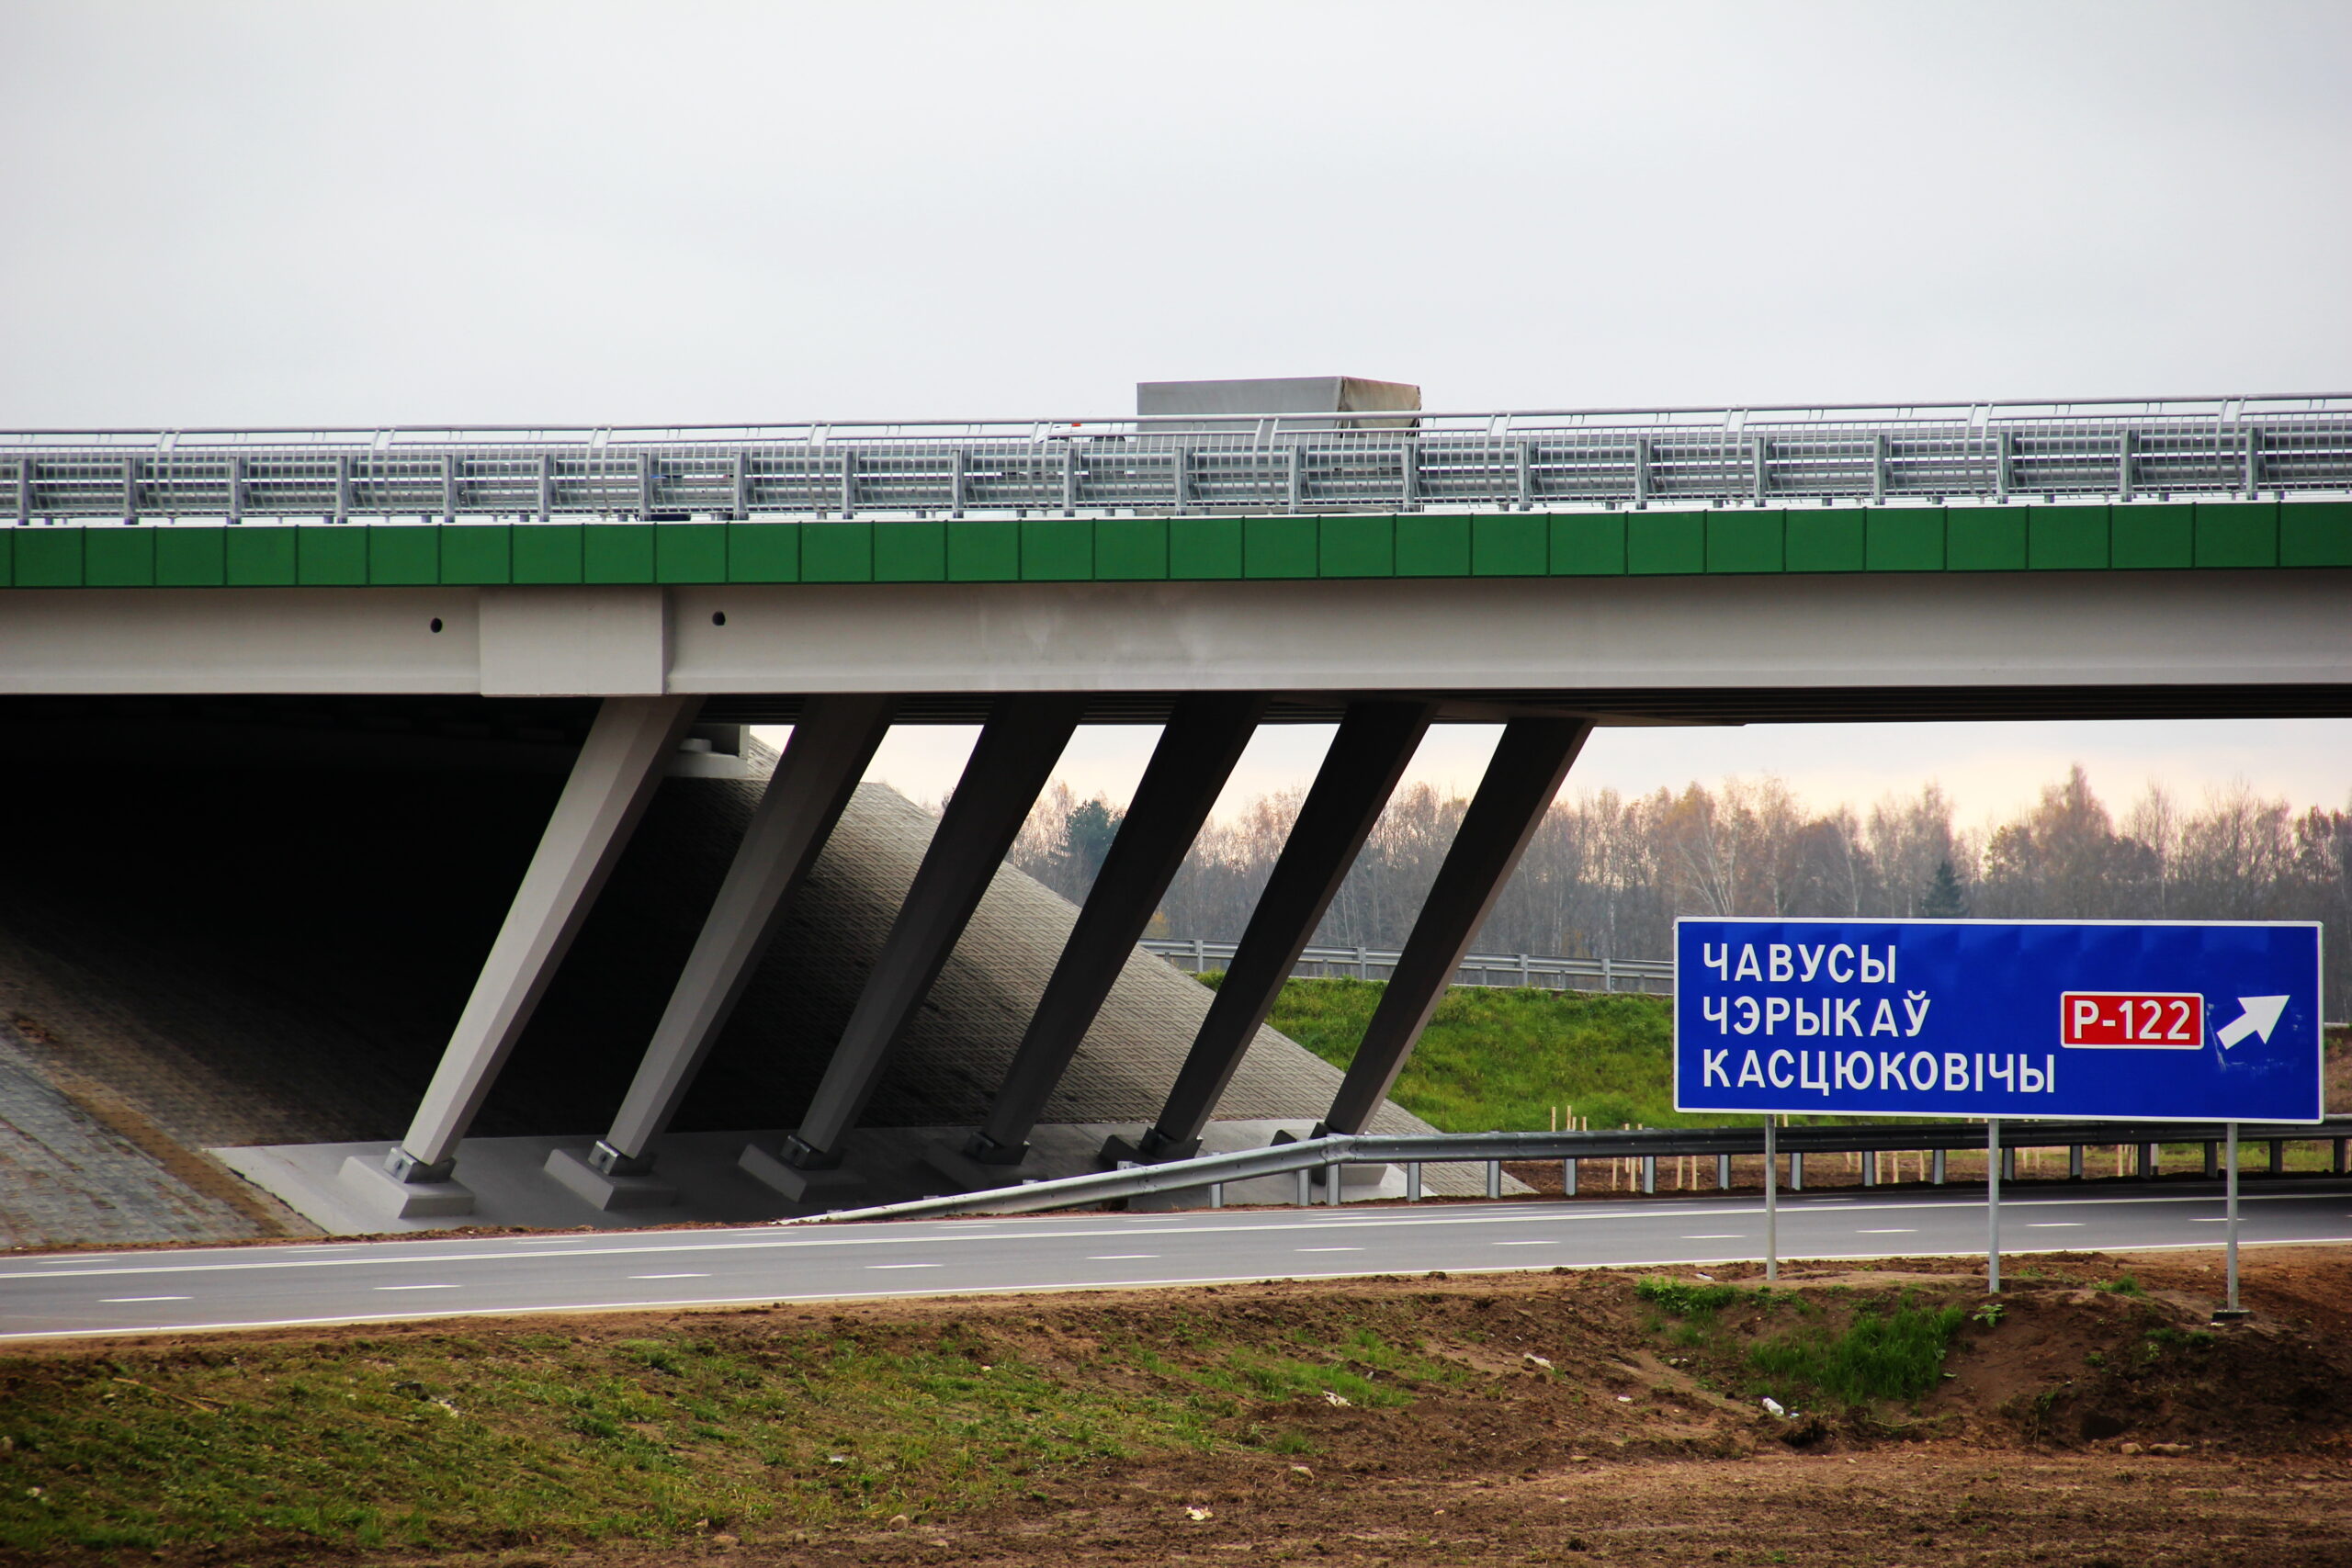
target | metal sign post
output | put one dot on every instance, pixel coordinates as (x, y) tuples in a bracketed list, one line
[(2232, 1310), (1993, 1206), (1773, 1206)]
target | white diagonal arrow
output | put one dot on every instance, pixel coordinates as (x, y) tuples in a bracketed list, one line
[(2261, 1016)]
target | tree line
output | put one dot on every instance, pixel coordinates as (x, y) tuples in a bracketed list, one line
[(1606, 874)]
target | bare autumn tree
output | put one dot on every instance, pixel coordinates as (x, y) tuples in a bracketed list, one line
[(1605, 874)]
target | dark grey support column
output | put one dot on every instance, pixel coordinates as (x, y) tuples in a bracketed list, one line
[(1017, 750), (831, 742), (1195, 756), (1521, 780), (1369, 754)]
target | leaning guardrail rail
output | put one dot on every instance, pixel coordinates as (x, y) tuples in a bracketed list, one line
[(1493, 1148)]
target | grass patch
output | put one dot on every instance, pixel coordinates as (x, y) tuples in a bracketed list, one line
[(1884, 1351), (425, 1440), (1895, 1354), (1686, 1300), (2123, 1285)]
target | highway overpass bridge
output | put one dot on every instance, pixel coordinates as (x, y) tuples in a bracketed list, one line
[(1550, 571)]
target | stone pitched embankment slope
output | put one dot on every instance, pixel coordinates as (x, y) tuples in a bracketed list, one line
[(224, 956)]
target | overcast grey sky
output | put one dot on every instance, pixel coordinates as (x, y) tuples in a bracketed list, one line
[(331, 213)]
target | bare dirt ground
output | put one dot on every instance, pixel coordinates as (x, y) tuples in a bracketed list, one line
[(2086, 1426)]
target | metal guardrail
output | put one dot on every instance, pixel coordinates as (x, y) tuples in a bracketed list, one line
[(1307, 1158), (1649, 976), (2279, 444)]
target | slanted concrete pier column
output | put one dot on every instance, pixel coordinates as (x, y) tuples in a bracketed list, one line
[(1520, 783), (1197, 750), (1017, 750), (1369, 754), (832, 741), (611, 783)]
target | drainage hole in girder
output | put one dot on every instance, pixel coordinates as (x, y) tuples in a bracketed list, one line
[(437, 623), (719, 617)]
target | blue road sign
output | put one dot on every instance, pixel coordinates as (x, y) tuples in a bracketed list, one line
[(2127, 1021)]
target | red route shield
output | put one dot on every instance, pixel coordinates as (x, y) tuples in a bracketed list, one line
[(2139, 1021)]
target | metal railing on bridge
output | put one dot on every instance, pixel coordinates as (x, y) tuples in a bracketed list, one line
[(2121, 449), (1650, 976)]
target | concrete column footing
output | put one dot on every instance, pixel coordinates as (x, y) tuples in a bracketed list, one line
[(571, 1169), (968, 1175), (839, 1187), (382, 1192)]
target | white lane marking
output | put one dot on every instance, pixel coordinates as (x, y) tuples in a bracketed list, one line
[(1119, 1256), (124, 1301), (1889, 1230), (420, 1287), (905, 1265), (1328, 1249), (1041, 1288), (1514, 1213), (669, 1276), (2054, 1224), (2209, 1219), (1547, 1242), (1718, 1235)]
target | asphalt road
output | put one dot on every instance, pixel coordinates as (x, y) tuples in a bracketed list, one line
[(256, 1287)]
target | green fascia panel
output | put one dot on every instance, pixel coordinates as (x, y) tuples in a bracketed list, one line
[(7, 557), (1204, 549), (2140, 537), (617, 552), (330, 555), (1279, 547), (119, 557), (910, 552), (690, 552), (1832, 539), (1665, 542), (1356, 546), (259, 557), (477, 553), (401, 556), (2315, 533), (2066, 538), (983, 552), (1057, 549), (550, 552), (1904, 538), (1986, 538), (1589, 544), (1744, 541), (763, 552), (49, 558), (191, 558), (837, 552), (1131, 549), (1509, 544), (2242, 533), (1432, 546)]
